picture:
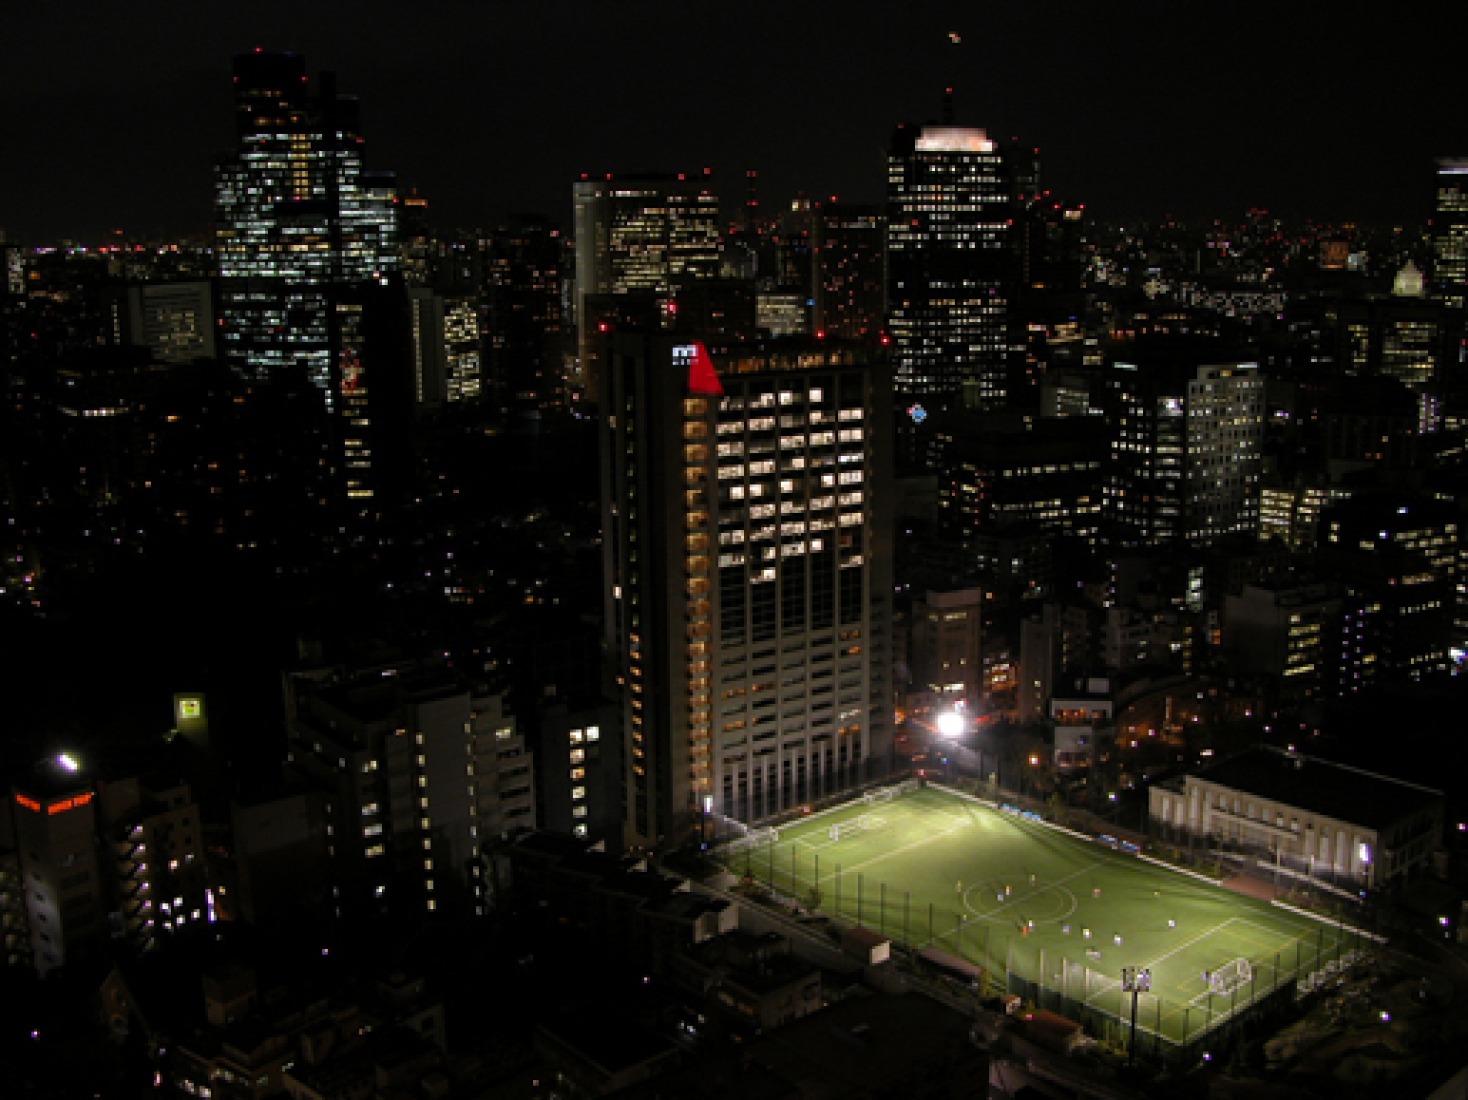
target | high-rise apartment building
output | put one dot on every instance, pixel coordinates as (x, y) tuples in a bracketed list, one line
[(639, 233), (297, 215), (105, 862), (422, 775), (1187, 446), (747, 548), (949, 209)]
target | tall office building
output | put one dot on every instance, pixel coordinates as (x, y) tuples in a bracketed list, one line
[(173, 320), (849, 257), (446, 347), (747, 548), (639, 233), (524, 334), (949, 211), (1188, 444), (1450, 267), (1450, 233), (297, 215)]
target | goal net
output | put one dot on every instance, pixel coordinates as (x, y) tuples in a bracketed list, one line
[(863, 824), (1230, 976)]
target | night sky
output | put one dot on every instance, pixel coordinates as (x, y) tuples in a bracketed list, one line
[(113, 113)]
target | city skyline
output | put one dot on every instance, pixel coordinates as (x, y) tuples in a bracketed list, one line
[(1140, 110)]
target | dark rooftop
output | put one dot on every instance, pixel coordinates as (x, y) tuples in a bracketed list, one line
[(1321, 786)]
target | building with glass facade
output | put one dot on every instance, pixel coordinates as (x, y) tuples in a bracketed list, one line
[(1187, 449), (948, 214), (297, 215), (639, 233)]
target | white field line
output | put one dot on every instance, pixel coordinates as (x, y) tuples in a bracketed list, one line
[(918, 843), (1036, 893)]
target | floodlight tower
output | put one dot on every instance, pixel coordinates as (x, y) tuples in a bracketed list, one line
[(1134, 980)]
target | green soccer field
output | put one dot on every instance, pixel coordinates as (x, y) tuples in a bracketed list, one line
[(1020, 899)]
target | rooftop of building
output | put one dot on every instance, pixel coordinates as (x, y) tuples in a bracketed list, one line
[(1321, 786), (607, 1040), (1170, 357)]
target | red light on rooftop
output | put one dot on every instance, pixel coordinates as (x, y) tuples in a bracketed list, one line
[(703, 379)]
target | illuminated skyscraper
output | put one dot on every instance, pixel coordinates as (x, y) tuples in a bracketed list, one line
[(446, 347), (747, 550), (949, 211), (1188, 446), (1450, 233), (297, 215), (635, 233)]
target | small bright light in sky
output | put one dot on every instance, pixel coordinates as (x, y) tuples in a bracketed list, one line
[(68, 762)]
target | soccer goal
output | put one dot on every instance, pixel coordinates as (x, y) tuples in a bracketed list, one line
[(879, 796), (1230, 976)]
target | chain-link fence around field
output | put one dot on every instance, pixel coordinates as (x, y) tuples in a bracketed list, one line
[(1171, 1024)]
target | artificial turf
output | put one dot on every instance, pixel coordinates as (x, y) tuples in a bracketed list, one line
[(934, 868)]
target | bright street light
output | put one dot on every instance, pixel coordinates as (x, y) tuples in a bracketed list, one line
[(950, 723)]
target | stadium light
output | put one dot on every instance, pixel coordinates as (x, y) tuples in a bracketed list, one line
[(68, 762), (950, 723), (1134, 980)]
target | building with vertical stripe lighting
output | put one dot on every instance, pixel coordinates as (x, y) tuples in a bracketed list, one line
[(747, 551)]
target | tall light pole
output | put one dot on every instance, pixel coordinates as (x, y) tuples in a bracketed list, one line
[(1134, 980)]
